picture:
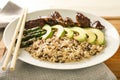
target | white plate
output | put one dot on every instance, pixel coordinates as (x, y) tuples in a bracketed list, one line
[(111, 36)]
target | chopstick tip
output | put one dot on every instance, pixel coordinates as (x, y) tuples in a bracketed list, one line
[(3, 68), (11, 69)]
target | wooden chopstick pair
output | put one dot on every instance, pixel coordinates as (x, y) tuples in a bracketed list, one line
[(19, 29)]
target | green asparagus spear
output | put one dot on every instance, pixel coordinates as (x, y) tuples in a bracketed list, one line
[(34, 32), (27, 43), (31, 35), (39, 34), (31, 30)]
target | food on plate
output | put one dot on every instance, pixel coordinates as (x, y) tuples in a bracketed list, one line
[(60, 30), (69, 32), (31, 35), (56, 18), (55, 39), (62, 50), (100, 36), (83, 20), (91, 36), (48, 33), (80, 34), (98, 25)]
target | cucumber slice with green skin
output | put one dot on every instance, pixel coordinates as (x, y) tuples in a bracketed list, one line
[(69, 33), (48, 33), (100, 36), (60, 30), (82, 35), (91, 36)]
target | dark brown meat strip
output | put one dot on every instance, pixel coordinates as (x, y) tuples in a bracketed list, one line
[(82, 20), (56, 18), (56, 15), (49, 20), (34, 23), (69, 22), (77, 24), (98, 25)]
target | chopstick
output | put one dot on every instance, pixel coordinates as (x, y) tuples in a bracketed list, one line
[(10, 49), (15, 54)]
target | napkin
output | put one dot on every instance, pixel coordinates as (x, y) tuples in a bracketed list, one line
[(24, 71), (9, 13)]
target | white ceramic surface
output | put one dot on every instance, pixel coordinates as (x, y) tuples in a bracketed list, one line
[(111, 36)]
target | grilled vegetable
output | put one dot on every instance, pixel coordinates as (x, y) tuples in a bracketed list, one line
[(27, 43), (37, 34), (31, 30), (30, 35)]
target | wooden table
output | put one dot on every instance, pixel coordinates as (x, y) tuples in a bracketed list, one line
[(114, 62)]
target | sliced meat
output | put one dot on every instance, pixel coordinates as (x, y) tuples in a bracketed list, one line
[(56, 15), (69, 22), (56, 18), (49, 20), (83, 20), (40, 22), (34, 23), (98, 25), (77, 24)]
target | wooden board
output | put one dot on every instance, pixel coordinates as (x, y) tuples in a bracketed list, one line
[(114, 62), (2, 49)]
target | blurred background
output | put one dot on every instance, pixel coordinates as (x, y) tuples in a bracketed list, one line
[(97, 7)]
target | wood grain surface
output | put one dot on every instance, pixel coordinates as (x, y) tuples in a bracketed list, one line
[(2, 49), (114, 62)]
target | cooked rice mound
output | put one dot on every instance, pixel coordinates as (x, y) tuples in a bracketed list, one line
[(63, 50)]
